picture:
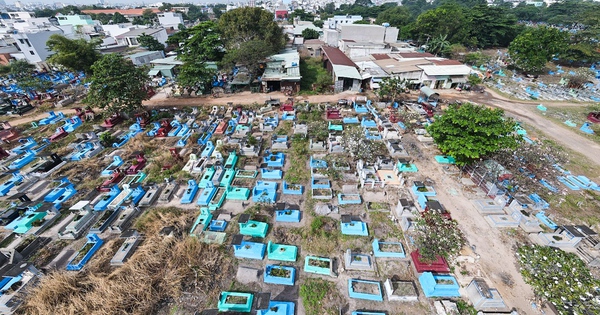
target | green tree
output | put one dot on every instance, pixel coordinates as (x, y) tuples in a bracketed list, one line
[(309, 33), (437, 236), (439, 45), (492, 26), (318, 23), (148, 17), (117, 85), (196, 46), (469, 132), (149, 42), (302, 15), (119, 18), (251, 24), (396, 16), (365, 22), (202, 42), (560, 278), (391, 87), (73, 54), (448, 19), (535, 46), (250, 53)]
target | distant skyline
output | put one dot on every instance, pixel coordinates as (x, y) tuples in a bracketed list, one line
[(119, 2)]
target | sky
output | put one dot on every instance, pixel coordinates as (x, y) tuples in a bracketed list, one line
[(123, 2)]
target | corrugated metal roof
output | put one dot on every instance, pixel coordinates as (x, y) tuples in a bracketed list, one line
[(393, 66), (346, 72), (446, 70), (415, 55), (381, 56), (337, 57)]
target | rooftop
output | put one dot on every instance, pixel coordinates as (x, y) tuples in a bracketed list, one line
[(446, 70), (337, 57), (139, 31), (124, 11)]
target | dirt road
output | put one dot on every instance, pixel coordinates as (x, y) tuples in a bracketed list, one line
[(497, 258)]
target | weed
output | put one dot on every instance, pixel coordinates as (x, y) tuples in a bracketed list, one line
[(313, 293)]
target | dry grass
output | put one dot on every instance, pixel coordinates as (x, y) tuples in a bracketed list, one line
[(156, 275)]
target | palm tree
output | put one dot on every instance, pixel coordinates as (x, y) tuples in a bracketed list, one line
[(439, 45)]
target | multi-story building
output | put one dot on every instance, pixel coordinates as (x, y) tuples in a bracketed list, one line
[(74, 20), (170, 19), (338, 20)]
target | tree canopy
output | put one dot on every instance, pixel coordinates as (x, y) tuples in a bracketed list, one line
[(249, 36), (309, 33), (117, 85), (560, 278), (535, 46), (150, 43), (469, 132), (73, 54), (195, 46)]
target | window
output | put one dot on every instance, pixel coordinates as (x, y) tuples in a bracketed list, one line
[(21, 41), (27, 42), (62, 18), (32, 53)]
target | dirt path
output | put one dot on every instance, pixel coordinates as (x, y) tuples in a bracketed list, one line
[(161, 99), (529, 114), (496, 255)]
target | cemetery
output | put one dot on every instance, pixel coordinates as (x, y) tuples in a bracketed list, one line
[(288, 184)]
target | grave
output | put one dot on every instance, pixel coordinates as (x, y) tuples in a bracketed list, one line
[(365, 290), (435, 285), (358, 261), (278, 274), (124, 220), (202, 222), (281, 252), (132, 240), (485, 298), (501, 221), (401, 291), (488, 206), (439, 266), (252, 228), (235, 302), (318, 265), (278, 308), (388, 249), (247, 249), (351, 225), (292, 189), (85, 253)]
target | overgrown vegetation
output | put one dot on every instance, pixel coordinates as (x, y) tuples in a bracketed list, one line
[(560, 278), (313, 293), (159, 271), (315, 78)]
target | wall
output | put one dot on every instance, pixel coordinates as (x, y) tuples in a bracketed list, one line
[(363, 33), (331, 37), (34, 45)]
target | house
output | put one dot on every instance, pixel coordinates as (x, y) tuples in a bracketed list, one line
[(372, 74), (170, 19), (77, 19), (446, 74), (145, 57), (338, 20), (344, 71), (282, 72), (166, 67), (130, 38), (32, 44), (311, 48), (357, 40), (128, 13)]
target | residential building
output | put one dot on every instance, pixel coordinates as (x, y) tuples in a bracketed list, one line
[(281, 11), (339, 20), (128, 13), (145, 57), (115, 30), (32, 45), (311, 48), (17, 15), (344, 71), (74, 19), (282, 72), (131, 38), (359, 40), (170, 19)]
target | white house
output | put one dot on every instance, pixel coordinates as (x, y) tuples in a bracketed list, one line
[(32, 45), (130, 38), (170, 19), (338, 20)]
